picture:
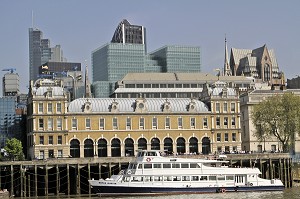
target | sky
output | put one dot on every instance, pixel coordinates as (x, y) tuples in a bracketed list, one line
[(81, 26)]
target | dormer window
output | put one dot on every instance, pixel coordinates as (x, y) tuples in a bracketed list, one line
[(166, 106), (140, 105), (192, 106), (87, 107), (114, 107)]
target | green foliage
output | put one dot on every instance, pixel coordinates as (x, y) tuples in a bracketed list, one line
[(14, 149), (278, 116)]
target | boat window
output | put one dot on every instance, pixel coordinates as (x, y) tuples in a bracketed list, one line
[(137, 179), (130, 166), (212, 178), (140, 166), (229, 178), (175, 165), (151, 154), (126, 179), (157, 178), (133, 166), (203, 178), (156, 165), (167, 178), (184, 165), (148, 178), (239, 179), (194, 165), (167, 165), (195, 178), (185, 178), (221, 177), (147, 166), (176, 178)]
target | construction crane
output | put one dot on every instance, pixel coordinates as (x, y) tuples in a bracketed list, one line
[(9, 69)]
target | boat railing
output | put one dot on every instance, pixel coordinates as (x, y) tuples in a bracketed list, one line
[(196, 156)]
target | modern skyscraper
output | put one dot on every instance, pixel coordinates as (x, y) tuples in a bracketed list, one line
[(57, 54), (35, 52), (10, 83), (175, 58), (129, 34), (9, 120), (114, 60), (40, 52), (127, 54)]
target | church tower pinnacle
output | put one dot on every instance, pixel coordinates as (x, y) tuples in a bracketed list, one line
[(227, 71), (87, 84)]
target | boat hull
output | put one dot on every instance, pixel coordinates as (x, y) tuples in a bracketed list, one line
[(125, 190)]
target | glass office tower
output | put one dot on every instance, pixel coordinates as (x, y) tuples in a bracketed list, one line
[(126, 33), (174, 58), (7, 119), (35, 52), (114, 60), (127, 53)]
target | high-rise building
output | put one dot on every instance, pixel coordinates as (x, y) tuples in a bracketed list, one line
[(41, 52), (114, 60), (11, 83), (127, 54), (35, 52), (57, 54), (175, 58), (129, 34), (10, 120)]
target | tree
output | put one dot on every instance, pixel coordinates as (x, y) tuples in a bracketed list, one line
[(278, 116), (14, 149)]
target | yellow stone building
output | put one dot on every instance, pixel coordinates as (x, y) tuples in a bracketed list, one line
[(100, 127)]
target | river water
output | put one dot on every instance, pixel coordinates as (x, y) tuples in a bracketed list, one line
[(292, 193)]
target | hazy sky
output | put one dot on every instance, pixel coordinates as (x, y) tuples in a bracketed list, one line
[(81, 26)]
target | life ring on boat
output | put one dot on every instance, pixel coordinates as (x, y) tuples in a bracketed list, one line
[(129, 172), (251, 184), (223, 190), (148, 159)]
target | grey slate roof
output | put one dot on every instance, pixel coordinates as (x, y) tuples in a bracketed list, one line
[(153, 105)]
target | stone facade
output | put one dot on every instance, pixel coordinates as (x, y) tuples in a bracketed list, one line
[(89, 127)]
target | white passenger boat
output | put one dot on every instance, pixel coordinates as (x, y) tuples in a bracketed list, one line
[(151, 173)]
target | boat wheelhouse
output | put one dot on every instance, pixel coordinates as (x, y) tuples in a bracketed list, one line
[(153, 173)]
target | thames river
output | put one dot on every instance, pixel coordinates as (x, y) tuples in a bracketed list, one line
[(293, 193)]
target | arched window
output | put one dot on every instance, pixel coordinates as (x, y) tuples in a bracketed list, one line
[(205, 145), (75, 149), (168, 146), (102, 148), (142, 144), (181, 146), (88, 148), (267, 72), (129, 147), (155, 144), (115, 148), (193, 145)]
